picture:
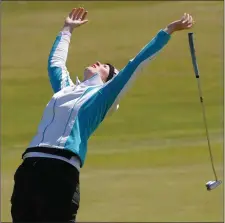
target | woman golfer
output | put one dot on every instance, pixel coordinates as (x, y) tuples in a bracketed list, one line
[(47, 182)]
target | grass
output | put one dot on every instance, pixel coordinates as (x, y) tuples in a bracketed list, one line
[(149, 161)]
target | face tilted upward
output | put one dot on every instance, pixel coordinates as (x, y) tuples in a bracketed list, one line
[(102, 69)]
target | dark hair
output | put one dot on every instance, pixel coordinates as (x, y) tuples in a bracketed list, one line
[(111, 72)]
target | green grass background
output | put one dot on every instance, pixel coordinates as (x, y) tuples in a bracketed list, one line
[(149, 161)]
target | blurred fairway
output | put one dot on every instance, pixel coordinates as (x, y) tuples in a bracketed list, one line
[(149, 161)]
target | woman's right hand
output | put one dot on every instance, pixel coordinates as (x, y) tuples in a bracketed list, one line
[(76, 18)]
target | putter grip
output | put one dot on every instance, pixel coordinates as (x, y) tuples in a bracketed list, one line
[(193, 56)]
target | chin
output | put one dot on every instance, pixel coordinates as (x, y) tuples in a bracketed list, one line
[(89, 71)]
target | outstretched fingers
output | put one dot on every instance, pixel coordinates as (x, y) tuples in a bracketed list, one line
[(71, 13), (84, 16), (76, 17), (78, 14), (75, 13)]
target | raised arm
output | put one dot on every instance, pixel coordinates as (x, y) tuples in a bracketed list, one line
[(57, 70), (113, 89), (97, 107)]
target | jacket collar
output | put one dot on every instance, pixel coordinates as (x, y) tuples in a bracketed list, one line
[(92, 81)]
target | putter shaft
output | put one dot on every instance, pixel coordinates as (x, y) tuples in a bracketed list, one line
[(206, 127)]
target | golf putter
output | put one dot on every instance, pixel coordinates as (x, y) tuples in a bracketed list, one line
[(210, 185)]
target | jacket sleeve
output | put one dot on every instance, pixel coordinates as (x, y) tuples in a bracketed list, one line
[(112, 90), (57, 71), (95, 109)]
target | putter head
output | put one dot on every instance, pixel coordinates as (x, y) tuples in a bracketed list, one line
[(210, 185)]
